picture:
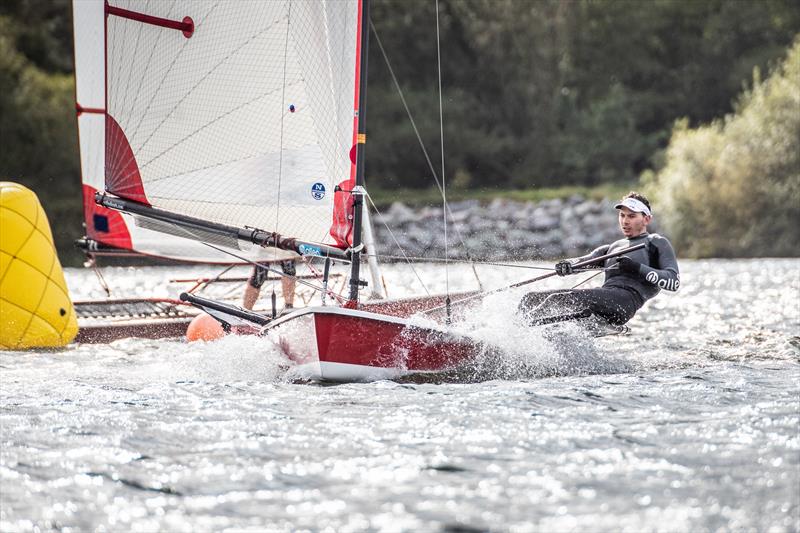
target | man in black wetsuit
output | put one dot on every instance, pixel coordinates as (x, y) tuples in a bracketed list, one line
[(631, 279)]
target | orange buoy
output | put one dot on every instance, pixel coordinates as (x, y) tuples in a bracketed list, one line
[(204, 327)]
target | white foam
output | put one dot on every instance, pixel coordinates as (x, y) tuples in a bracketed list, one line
[(515, 350)]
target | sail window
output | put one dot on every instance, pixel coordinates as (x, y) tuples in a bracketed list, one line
[(100, 223)]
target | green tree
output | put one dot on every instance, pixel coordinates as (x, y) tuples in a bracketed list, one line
[(37, 128), (732, 188), (546, 92)]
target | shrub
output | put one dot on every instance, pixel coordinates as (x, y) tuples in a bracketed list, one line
[(732, 188)]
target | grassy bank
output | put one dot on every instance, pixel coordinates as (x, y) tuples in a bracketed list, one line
[(432, 196)]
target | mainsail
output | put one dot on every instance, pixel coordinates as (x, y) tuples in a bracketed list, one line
[(107, 230), (242, 114)]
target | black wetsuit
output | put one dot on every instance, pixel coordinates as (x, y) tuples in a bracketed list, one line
[(622, 293), (259, 275)]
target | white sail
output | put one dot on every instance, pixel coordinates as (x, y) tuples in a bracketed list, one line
[(106, 227), (239, 113)]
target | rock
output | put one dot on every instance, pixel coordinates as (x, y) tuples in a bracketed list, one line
[(399, 213), (576, 199), (503, 229), (543, 219), (555, 203), (460, 216), (587, 208), (463, 206)]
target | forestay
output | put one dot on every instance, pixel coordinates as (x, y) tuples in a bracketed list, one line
[(238, 113)]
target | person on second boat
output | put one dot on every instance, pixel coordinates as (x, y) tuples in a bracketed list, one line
[(630, 281), (259, 276)]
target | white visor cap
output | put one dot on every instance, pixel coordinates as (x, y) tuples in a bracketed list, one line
[(634, 205)]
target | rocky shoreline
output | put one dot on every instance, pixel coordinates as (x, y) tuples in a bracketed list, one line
[(503, 229)]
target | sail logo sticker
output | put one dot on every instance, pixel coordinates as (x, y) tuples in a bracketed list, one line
[(668, 284), (318, 191), (305, 249)]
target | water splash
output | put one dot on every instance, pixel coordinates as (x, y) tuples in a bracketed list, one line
[(517, 351)]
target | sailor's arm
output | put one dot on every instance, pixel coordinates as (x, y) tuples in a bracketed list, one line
[(597, 252), (666, 275), (564, 268)]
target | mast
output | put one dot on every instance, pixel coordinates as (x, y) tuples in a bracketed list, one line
[(372, 257), (358, 192)]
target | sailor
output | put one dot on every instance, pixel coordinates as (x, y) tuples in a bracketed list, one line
[(630, 279), (259, 276)]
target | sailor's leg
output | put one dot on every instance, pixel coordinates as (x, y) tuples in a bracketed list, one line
[(288, 283), (536, 305), (615, 305), (253, 287)]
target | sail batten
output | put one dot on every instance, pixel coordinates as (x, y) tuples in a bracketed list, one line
[(186, 26)]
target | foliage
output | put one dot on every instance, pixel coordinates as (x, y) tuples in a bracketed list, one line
[(536, 94), (37, 127), (732, 188), (42, 30), (551, 93)]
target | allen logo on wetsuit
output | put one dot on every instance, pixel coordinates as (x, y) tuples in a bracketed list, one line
[(668, 284)]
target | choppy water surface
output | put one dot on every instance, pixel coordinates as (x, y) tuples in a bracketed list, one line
[(690, 423)]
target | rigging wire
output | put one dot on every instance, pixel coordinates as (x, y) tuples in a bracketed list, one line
[(589, 278), (422, 146), (201, 285), (409, 259), (297, 279), (444, 182), (280, 145), (93, 263), (391, 234)]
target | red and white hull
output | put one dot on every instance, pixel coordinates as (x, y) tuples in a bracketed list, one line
[(339, 344)]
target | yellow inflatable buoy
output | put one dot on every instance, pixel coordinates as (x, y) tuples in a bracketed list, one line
[(35, 308)]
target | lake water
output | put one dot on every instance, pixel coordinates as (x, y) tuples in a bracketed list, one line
[(689, 423)]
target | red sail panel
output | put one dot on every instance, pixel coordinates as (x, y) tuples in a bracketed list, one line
[(104, 225), (342, 228), (122, 173)]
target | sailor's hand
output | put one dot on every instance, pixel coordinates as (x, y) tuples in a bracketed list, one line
[(626, 264), (564, 268)]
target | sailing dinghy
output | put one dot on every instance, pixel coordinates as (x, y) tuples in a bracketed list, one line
[(241, 126)]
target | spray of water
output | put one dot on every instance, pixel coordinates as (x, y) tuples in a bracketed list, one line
[(514, 350)]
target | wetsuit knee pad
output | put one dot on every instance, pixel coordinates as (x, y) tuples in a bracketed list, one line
[(288, 268), (258, 277)]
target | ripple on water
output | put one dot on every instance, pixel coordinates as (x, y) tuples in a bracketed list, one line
[(688, 424)]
